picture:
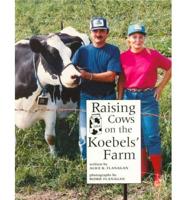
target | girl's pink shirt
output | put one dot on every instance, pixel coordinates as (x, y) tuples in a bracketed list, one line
[(140, 69)]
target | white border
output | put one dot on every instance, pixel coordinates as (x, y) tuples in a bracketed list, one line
[(7, 133), (179, 99), (7, 137)]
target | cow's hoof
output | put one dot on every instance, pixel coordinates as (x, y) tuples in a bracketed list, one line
[(53, 154)]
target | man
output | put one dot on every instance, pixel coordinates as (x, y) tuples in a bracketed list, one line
[(100, 63)]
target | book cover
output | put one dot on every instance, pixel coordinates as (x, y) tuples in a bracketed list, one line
[(49, 166)]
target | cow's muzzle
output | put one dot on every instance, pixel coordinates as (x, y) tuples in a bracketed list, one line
[(77, 79)]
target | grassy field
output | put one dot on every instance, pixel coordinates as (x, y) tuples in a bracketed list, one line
[(38, 175)]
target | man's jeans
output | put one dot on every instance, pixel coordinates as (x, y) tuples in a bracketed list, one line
[(82, 119), (150, 133)]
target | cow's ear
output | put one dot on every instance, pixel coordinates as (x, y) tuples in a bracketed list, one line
[(74, 46), (35, 45)]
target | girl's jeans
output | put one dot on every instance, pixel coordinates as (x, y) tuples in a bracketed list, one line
[(82, 119), (150, 134)]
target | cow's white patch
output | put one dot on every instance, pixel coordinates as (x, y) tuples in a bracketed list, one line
[(66, 79), (25, 114), (66, 76), (22, 42), (44, 77), (68, 72), (73, 32), (64, 51)]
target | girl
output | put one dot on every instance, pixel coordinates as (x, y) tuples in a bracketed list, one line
[(139, 66)]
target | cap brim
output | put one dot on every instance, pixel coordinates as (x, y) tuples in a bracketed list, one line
[(138, 32), (99, 28)]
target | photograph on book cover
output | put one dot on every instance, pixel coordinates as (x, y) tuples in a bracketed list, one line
[(69, 53)]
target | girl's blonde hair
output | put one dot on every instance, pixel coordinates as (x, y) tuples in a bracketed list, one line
[(128, 42)]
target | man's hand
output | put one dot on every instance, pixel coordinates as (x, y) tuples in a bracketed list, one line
[(85, 74), (108, 76)]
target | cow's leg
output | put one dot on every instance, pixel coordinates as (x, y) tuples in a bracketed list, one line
[(50, 122)]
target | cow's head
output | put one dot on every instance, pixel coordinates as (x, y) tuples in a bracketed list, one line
[(54, 62)]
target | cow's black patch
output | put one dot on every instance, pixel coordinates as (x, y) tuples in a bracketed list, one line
[(50, 57), (52, 61), (72, 94), (97, 120), (73, 42), (67, 94), (94, 132), (25, 80)]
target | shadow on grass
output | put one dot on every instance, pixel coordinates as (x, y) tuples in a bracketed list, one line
[(67, 138)]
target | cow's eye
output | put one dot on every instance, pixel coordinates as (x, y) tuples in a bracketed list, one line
[(54, 53)]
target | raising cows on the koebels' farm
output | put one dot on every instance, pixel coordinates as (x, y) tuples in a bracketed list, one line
[(46, 80)]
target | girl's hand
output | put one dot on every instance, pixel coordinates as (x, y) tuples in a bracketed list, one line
[(161, 85), (158, 92)]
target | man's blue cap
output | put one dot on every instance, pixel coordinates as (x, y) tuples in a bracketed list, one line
[(98, 23), (136, 28)]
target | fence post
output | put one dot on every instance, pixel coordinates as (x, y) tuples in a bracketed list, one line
[(124, 191)]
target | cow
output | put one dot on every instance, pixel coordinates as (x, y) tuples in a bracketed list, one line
[(46, 80)]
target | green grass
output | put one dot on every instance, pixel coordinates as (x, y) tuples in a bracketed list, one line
[(44, 16), (35, 169)]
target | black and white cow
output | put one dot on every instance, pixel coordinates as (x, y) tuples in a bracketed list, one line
[(46, 80)]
